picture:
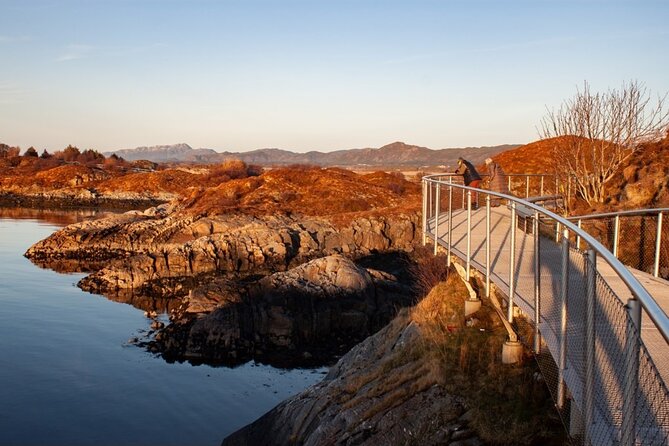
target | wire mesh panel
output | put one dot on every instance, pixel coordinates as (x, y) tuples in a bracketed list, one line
[(636, 242)]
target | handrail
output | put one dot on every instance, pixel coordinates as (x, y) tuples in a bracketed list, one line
[(511, 176), (626, 213), (649, 304)]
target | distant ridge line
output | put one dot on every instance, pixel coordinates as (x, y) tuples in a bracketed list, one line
[(393, 154)]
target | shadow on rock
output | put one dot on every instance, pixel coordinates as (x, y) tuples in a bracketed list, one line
[(307, 316)]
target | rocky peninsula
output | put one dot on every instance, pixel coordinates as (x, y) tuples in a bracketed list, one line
[(247, 276)]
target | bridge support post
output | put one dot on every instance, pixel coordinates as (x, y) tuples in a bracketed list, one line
[(437, 205), (616, 234), (537, 283), (632, 347), (590, 338), (487, 246), (512, 352), (424, 212), (658, 244), (564, 292), (512, 262), (450, 221), (469, 232)]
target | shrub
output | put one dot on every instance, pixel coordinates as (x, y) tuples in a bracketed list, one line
[(90, 157), (31, 152), (427, 270), (8, 151), (231, 169)]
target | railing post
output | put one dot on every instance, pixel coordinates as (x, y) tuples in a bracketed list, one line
[(437, 205), (424, 211), (450, 220), (590, 338), (557, 232), (429, 199), (487, 246), (527, 186), (512, 262), (632, 347), (508, 178), (537, 283), (469, 232), (578, 236), (564, 292), (541, 188), (616, 229), (557, 185), (658, 245)]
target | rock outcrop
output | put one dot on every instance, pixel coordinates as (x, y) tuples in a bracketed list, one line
[(376, 394), (433, 376), (307, 314), (245, 286), (163, 244)]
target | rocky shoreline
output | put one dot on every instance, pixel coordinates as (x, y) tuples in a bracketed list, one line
[(281, 289), (59, 201)]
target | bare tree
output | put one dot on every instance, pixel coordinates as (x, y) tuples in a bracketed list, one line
[(598, 132)]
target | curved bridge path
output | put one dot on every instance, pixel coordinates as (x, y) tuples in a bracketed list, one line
[(589, 339), (550, 280)]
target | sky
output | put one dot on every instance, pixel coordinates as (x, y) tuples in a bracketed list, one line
[(312, 75)]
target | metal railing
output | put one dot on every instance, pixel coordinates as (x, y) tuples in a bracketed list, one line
[(584, 307), (635, 237), (528, 184)]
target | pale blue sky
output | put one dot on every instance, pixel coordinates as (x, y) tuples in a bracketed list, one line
[(311, 75)]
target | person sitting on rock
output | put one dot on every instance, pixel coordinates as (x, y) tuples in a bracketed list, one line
[(471, 178)]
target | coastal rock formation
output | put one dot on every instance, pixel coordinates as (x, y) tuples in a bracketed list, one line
[(235, 260), (244, 286), (162, 244), (373, 395), (306, 313)]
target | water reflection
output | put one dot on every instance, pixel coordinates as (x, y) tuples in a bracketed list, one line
[(66, 362), (52, 216)]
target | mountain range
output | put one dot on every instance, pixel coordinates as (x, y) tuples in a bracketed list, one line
[(394, 154)]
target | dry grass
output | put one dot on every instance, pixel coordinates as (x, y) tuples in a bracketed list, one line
[(427, 269), (509, 406), (308, 191)]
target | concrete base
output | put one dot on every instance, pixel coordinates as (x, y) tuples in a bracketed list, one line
[(472, 306), (511, 352)]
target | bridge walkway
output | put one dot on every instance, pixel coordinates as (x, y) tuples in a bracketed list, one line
[(550, 280)]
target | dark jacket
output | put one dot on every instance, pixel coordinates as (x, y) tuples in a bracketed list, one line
[(468, 172)]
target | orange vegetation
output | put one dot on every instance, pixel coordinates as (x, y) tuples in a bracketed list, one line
[(53, 174), (535, 157), (308, 191)]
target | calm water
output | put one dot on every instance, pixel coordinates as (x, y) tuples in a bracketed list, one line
[(69, 376)]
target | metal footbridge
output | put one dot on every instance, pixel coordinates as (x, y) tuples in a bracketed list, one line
[(599, 329)]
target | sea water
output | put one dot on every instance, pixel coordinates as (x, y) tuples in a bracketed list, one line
[(69, 375)]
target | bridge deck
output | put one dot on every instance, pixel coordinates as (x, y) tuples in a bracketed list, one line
[(550, 267)]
